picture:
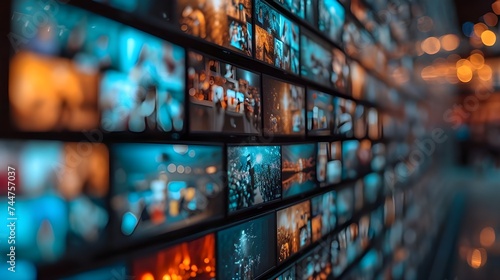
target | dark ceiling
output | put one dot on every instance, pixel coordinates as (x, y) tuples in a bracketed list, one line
[(472, 10)]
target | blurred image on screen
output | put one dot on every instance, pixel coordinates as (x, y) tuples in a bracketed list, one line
[(329, 163), (324, 215), (360, 122), (80, 71), (345, 110), (244, 250), (162, 187), (254, 175), (276, 38), (319, 113), (226, 23), (296, 7), (294, 229), (338, 253), (61, 191), (315, 265), (189, 260), (331, 15), (298, 172), (223, 98), (345, 205), (284, 108)]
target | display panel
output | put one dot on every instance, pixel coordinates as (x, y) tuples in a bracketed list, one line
[(296, 7), (358, 80), (373, 187), (298, 172), (284, 108), (319, 113), (338, 253), (162, 187), (189, 260), (254, 175), (57, 192), (244, 251), (286, 274), (324, 215), (345, 205), (223, 98), (359, 195), (322, 63), (350, 159), (329, 163), (344, 117), (360, 122), (374, 127), (276, 38), (316, 265), (225, 23), (113, 75), (293, 229), (379, 157), (331, 15)]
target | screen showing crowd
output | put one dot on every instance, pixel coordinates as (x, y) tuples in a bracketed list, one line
[(254, 175), (227, 23), (223, 98), (161, 187), (277, 38), (80, 70)]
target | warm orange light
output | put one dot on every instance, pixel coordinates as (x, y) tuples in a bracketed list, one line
[(477, 60), (208, 269), (475, 42), (450, 42), (488, 38), (496, 7), (211, 170), (462, 62), (490, 19), (485, 73), (487, 235), (186, 262), (464, 73), (477, 258), (479, 28), (206, 260), (431, 45), (193, 274), (212, 274), (166, 277), (194, 268), (147, 276)]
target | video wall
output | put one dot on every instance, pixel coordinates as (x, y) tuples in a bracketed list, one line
[(246, 140)]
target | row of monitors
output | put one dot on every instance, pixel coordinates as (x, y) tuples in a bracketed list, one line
[(243, 251), (64, 196), (81, 71)]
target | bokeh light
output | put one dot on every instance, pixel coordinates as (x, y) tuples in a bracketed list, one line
[(479, 28), (490, 19), (487, 235), (464, 73), (488, 38), (468, 28), (485, 73), (450, 42), (431, 45)]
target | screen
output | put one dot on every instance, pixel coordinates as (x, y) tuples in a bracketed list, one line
[(377, 221), (379, 157), (357, 158), (60, 194), (324, 215), (223, 98), (294, 229), (84, 70), (360, 122), (316, 265), (373, 187), (118, 270), (298, 172), (322, 63), (163, 187), (254, 175), (319, 113), (374, 127), (287, 274), (277, 38), (358, 80), (359, 193), (353, 244), (345, 205), (243, 250), (331, 15), (296, 7), (284, 108), (338, 252), (226, 23), (329, 163), (344, 117), (189, 260)]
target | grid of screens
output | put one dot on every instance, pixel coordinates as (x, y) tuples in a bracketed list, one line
[(84, 72)]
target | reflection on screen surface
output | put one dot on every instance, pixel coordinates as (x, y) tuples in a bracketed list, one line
[(159, 188), (60, 193)]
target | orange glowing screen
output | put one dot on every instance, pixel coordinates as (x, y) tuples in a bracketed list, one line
[(188, 260)]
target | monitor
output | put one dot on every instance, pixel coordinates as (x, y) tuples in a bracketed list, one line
[(319, 113), (298, 169), (329, 163), (324, 215), (293, 229)]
